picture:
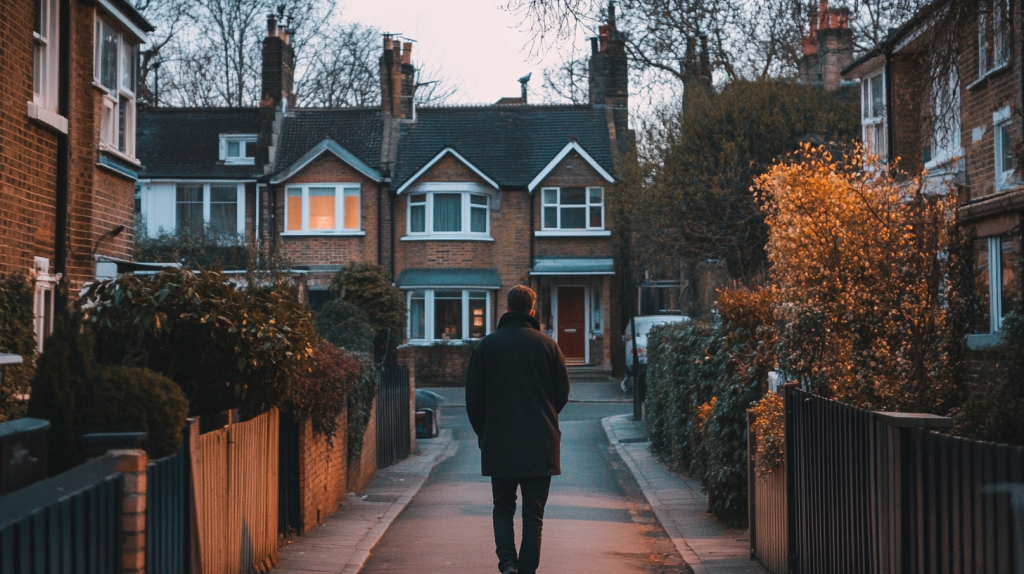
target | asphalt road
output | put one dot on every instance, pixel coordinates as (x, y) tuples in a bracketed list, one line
[(596, 521)]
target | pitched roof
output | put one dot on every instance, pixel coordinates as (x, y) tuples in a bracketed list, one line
[(185, 142), (359, 131), (511, 144)]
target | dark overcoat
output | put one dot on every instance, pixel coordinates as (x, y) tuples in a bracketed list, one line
[(516, 386)]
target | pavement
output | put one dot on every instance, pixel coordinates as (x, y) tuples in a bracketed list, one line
[(703, 542)]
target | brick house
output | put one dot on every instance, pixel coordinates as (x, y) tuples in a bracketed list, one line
[(459, 203), (965, 133), (67, 139)]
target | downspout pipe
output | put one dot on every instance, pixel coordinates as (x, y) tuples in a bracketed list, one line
[(60, 239), (889, 130), (380, 224)]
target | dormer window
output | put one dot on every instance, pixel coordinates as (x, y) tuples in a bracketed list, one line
[(238, 149), (115, 70)]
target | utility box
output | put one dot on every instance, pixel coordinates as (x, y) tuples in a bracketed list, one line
[(23, 453)]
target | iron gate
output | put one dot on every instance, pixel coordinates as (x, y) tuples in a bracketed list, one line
[(393, 431)]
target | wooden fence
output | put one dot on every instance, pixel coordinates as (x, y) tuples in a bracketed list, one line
[(767, 492), (234, 477)]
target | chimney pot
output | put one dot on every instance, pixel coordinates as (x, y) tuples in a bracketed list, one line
[(407, 53), (603, 32), (387, 42), (271, 25)]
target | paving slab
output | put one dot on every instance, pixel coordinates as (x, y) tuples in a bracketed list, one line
[(343, 542), (707, 546)]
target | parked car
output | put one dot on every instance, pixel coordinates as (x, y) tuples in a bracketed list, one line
[(643, 327)]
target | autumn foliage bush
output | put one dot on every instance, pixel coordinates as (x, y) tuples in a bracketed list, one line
[(321, 394)]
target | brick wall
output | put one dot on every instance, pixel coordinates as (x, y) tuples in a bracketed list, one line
[(330, 250), (323, 473), (361, 473), (441, 365)]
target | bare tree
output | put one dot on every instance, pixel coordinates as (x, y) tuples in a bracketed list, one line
[(567, 81)]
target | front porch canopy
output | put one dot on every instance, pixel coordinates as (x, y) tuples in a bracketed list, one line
[(573, 266), (449, 277)]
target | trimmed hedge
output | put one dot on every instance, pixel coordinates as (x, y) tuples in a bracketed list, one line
[(360, 402), (701, 379), (369, 287), (345, 325), (17, 337)]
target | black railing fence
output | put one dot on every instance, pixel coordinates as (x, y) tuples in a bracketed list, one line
[(167, 516), (880, 493), (393, 430)]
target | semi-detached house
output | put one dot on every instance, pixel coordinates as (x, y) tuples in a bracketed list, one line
[(459, 203)]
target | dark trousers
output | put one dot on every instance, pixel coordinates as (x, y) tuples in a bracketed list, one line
[(535, 496)]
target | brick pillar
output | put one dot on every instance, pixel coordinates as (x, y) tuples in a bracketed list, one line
[(407, 359), (132, 464)]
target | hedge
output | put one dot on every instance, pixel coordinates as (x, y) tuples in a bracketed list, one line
[(17, 337)]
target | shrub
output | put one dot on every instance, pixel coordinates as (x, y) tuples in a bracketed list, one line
[(17, 337), (360, 402), (322, 393), (369, 287), (345, 325), (136, 400), (226, 347), (769, 428), (204, 248)]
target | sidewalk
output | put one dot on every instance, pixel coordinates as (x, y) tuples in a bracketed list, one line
[(343, 542), (681, 507)]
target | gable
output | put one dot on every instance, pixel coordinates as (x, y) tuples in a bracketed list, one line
[(329, 148), (573, 148), (439, 164)]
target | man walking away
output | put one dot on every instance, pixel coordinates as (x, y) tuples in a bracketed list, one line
[(517, 385)]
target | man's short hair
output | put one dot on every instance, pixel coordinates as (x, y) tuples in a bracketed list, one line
[(521, 299)]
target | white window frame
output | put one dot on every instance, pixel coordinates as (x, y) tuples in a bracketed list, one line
[(339, 209), (466, 206), (46, 56), (241, 139), (1001, 122), (873, 120), (43, 304), (112, 97), (428, 314), (1000, 34), (558, 230), (945, 141), (995, 297), (240, 212)]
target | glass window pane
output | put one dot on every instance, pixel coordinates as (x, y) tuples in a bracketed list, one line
[(983, 313), (478, 220), (447, 212), (108, 63), (550, 218), (129, 54), (223, 194), (452, 294), (417, 316), (1010, 259), (189, 208), (477, 318), (294, 207), (351, 209), (574, 196), (448, 317), (574, 217), (550, 196), (596, 195), (595, 217), (321, 208), (224, 209), (233, 149), (865, 96), (877, 103), (1007, 161), (417, 219), (123, 113)]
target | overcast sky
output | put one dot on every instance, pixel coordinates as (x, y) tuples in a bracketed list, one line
[(475, 41)]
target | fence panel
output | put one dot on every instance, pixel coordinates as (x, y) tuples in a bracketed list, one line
[(68, 523), (768, 540), (867, 493), (167, 514), (392, 415)]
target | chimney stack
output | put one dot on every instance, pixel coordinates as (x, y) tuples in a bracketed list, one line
[(278, 72), (397, 78), (827, 48), (609, 74)]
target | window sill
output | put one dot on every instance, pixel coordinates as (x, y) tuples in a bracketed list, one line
[(440, 237), (48, 118), (939, 162), (235, 162), (993, 72), (985, 341), (119, 154), (573, 233), (323, 233)]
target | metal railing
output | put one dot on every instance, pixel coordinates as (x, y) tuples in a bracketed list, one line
[(67, 523), (875, 493), (167, 515), (393, 431)]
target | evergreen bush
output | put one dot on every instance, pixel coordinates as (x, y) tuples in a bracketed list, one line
[(369, 287), (360, 403), (322, 393), (344, 324), (17, 337)]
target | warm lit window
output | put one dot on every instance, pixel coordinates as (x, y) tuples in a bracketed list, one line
[(872, 116), (210, 207), (45, 51), (114, 71), (448, 314), (449, 214), (322, 208), (1006, 161), (573, 208), (997, 286), (238, 149)]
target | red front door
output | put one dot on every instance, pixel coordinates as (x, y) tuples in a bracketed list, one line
[(572, 332)]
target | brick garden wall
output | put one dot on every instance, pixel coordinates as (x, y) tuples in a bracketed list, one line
[(360, 475), (323, 473)]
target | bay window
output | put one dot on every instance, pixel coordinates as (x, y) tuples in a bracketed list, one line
[(455, 214), (322, 208), (573, 208), (873, 115), (448, 314), (996, 281), (115, 72), (217, 208)]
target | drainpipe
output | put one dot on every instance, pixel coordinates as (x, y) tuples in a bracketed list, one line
[(60, 238), (889, 131), (529, 194), (394, 198), (380, 225)]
